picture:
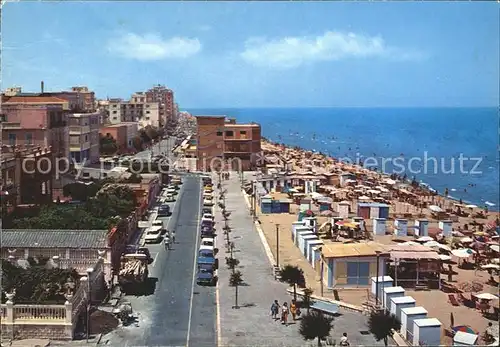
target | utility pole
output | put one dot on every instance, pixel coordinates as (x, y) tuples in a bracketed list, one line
[(277, 245)]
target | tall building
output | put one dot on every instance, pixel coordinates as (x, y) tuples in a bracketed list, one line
[(165, 98), (135, 110), (36, 121), (84, 137), (225, 144)]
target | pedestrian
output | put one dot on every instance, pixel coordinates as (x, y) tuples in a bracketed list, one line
[(275, 308), (284, 314), (166, 241), (293, 309), (173, 236), (344, 341)]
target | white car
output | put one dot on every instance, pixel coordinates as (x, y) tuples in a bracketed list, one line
[(169, 198), (207, 202), (208, 241), (153, 234)]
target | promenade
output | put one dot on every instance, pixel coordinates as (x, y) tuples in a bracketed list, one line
[(251, 324)]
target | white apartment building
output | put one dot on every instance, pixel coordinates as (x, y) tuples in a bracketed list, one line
[(135, 110), (151, 115)]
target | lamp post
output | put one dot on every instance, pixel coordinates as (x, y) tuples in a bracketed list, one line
[(376, 278), (322, 265), (89, 300), (277, 245)]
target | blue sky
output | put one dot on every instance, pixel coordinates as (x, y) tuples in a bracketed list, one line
[(281, 54)]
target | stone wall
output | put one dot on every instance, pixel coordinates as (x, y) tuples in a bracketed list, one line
[(36, 331)]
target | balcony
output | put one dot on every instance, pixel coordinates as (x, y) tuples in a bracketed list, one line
[(79, 129), (79, 147), (11, 125), (240, 138)]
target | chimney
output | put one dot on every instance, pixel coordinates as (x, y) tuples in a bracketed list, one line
[(41, 87)]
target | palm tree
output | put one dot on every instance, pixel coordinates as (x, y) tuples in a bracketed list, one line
[(292, 275), (382, 324), (315, 325), (235, 281), (306, 299)]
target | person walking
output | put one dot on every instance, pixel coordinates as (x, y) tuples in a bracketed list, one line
[(166, 242), (284, 314), (275, 309), (344, 341), (293, 309), (173, 236)]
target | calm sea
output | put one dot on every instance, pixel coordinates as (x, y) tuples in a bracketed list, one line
[(454, 148)]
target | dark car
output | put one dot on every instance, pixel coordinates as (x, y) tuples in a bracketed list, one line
[(164, 211), (206, 277)]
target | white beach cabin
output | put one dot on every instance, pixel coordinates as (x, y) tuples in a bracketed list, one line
[(401, 227), (462, 338), (343, 209), (379, 226), (299, 230), (401, 302), (408, 315), (445, 226), (310, 253), (301, 234), (422, 227), (392, 292), (383, 282), (426, 332), (303, 243), (296, 225)]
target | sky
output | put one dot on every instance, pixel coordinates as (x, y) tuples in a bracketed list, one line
[(260, 54)]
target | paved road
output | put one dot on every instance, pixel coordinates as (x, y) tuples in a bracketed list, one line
[(164, 146), (178, 313)]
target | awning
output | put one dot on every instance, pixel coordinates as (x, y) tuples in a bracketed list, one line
[(415, 255)]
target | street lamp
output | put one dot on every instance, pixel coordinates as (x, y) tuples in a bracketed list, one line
[(376, 277), (277, 245), (322, 265)]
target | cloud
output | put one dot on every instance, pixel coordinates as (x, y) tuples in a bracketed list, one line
[(153, 47), (291, 52)]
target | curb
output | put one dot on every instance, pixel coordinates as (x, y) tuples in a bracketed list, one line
[(263, 239)]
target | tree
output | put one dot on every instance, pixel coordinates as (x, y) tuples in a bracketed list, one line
[(235, 281), (232, 263), (293, 275), (107, 145), (382, 324), (306, 299), (81, 191), (36, 283), (315, 325)]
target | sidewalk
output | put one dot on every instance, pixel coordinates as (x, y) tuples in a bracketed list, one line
[(251, 325)]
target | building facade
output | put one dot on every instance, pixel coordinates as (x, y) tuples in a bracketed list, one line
[(36, 121), (84, 137), (136, 110), (27, 176), (165, 99), (132, 129), (117, 132), (221, 142)]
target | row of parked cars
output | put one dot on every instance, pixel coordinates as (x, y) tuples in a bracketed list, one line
[(156, 231), (207, 261)]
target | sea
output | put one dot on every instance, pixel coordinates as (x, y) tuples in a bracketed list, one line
[(446, 148)]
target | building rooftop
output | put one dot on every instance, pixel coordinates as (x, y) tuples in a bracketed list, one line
[(346, 250), (213, 116), (242, 125), (35, 99), (115, 125), (33, 238)]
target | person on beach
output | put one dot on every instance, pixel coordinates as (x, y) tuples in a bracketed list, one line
[(284, 314), (275, 308), (293, 309)]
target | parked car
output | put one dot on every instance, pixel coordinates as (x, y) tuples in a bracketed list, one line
[(153, 234), (164, 211), (169, 198), (206, 277)]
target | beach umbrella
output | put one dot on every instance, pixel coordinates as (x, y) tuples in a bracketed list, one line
[(445, 247), (464, 329), (466, 239), (444, 257), (480, 233), (490, 266), (495, 248), (495, 261), (462, 253), (364, 197), (432, 244), (471, 286), (435, 208), (456, 233), (486, 296), (425, 239), (471, 206)]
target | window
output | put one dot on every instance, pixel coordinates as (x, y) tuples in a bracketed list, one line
[(86, 138), (243, 132), (229, 133), (114, 106), (147, 118), (147, 106), (358, 273), (29, 138), (147, 111), (219, 133), (114, 112), (12, 139), (115, 118)]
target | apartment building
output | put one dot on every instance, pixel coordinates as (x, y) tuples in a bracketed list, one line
[(36, 120), (165, 98), (132, 129), (84, 137), (223, 142), (135, 110), (27, 176)]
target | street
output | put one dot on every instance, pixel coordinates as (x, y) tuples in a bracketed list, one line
[(164, 146), (179, 312)]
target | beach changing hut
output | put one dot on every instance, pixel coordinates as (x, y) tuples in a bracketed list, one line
[(392, 292), (296, 225), (401, 302), (445, 226), (352, 265), (408, 315), (266, 204), (383, 282), (401, 227), (310, 253), (300, 235), (369, 210), (303, 243), (426, 332), (422, 227), (379, 226), (343, 209), (305, 204), (461, 338), (300, 230)]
